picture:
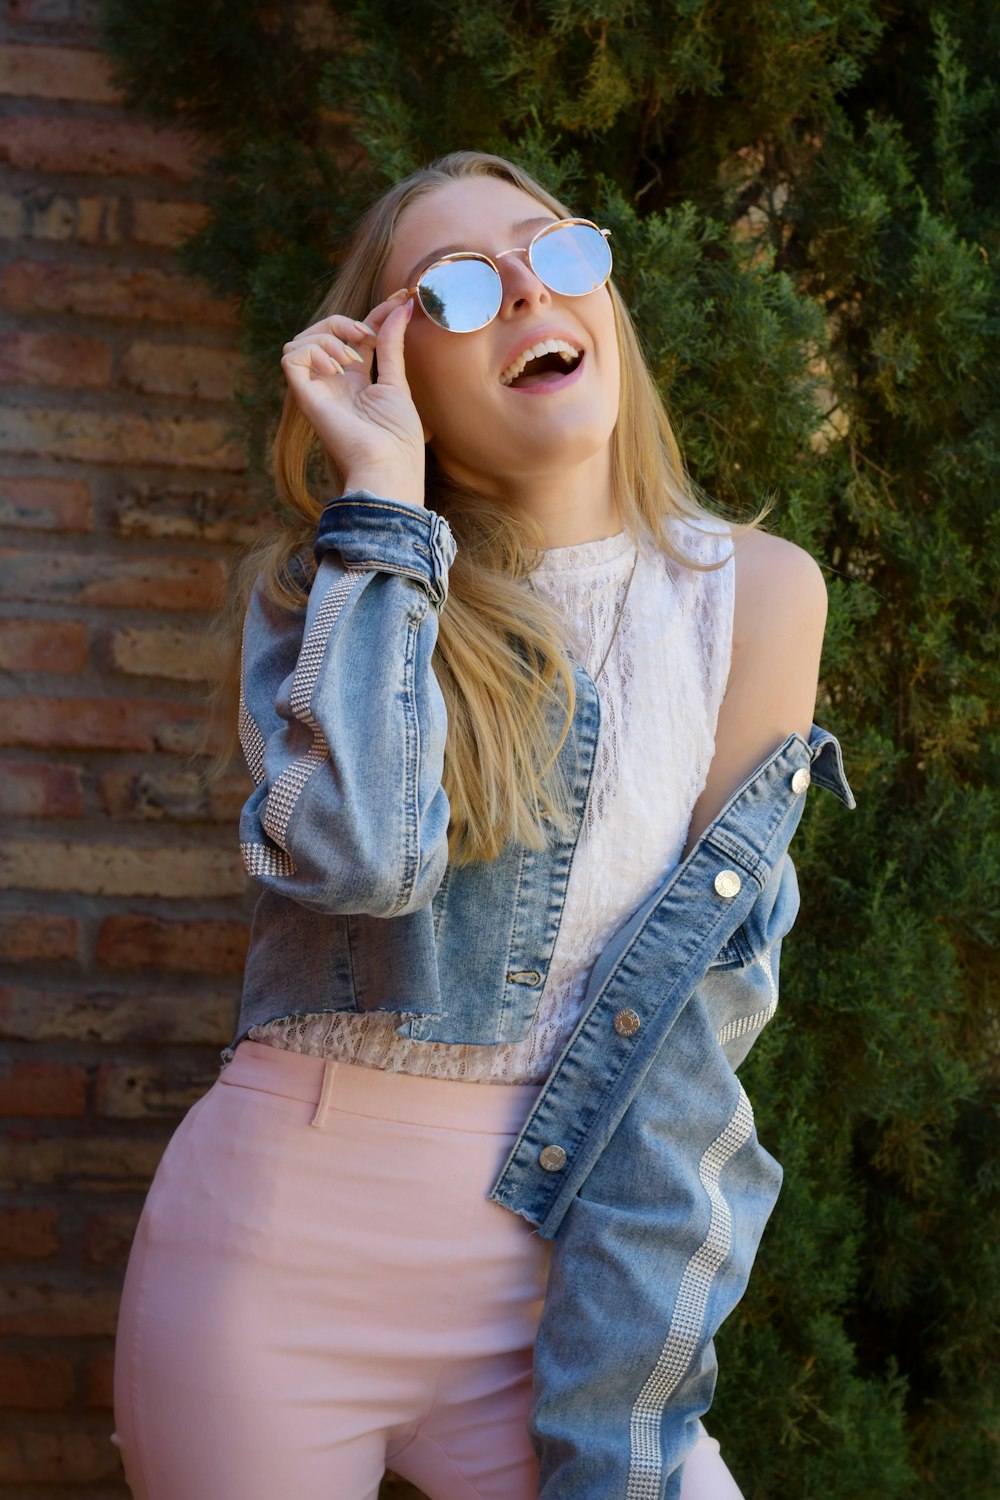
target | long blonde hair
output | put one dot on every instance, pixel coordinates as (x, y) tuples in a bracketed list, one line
[(501, 657)]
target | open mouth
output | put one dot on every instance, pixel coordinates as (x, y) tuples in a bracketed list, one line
[(545, 363)]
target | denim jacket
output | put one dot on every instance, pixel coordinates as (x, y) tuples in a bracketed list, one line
[(640, 1159)]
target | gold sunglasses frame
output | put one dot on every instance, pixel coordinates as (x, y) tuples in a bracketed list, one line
[(546, 229)]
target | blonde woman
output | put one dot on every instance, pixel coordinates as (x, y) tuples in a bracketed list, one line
[(530, 733)]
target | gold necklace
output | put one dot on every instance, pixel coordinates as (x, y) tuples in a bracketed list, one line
[(619, 616)]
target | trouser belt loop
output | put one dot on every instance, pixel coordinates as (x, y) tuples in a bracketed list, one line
[(325, 1094)]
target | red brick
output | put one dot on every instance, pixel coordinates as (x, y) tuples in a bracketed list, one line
[(51, 12), (54, 359), (95, 1015), (113, 1164), (38, 143), (132, 942), (149, 1092), (12, 216), (116, 870), (121, 438), (164, 651), (103, 724), (108, 1237), (42, 646), (39, 791), (65, 1455), (205, 514), (181, 583), (32, 937), (51, 1089), (39, 504), (200, 373), (181, 797), (56, 73), (35, 1382), (29, 286), (99, 1382), (47, 1311), (37, 213), (28, 1233), (165, 224)]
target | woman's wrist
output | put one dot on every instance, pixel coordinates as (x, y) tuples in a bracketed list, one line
[(387, 484)]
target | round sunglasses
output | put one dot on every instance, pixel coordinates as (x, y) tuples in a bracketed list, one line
[(463, 291)]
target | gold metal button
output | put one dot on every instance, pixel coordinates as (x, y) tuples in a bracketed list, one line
[(626, 1023), (801, 780), (552, 1158), (727, 884)]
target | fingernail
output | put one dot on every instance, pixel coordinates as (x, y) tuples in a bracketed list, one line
[(337, 365), (365, 328), (353, 354), (409, 310)]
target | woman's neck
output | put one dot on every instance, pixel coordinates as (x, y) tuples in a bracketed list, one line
[(571, 504), (567, 514)]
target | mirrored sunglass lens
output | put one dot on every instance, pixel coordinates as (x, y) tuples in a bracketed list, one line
[(574, 259), (462, 295)]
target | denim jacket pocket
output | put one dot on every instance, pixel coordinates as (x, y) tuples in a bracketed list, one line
[(740, 988)]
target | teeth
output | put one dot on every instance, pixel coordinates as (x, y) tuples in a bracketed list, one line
[(545, 346)]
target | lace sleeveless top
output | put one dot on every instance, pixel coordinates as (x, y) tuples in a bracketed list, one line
[(670, 634)]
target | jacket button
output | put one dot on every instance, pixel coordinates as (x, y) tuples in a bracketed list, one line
[(552, 1158), (800, 781), (626, 1023), (727, 884)]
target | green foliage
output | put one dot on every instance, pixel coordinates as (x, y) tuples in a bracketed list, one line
[(802, 195)]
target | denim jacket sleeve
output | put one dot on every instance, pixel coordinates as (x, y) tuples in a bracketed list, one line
[(657, 1242), (657, 1247), (342, 721)]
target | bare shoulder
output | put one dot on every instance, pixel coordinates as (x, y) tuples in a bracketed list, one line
[(778, 622), (778, 586)]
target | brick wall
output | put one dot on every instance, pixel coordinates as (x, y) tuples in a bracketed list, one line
[(122, 904)]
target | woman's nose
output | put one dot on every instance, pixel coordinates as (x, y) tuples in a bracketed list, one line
[(521, 287)]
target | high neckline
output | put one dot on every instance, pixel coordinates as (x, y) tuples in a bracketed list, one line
[(578, 557)]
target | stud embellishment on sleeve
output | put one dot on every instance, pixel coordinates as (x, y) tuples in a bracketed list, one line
[(727, 884), (800, 781)]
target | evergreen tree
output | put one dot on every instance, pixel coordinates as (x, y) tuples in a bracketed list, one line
[(802, 195)]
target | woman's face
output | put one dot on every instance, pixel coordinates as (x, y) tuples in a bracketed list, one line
[(480, 429)]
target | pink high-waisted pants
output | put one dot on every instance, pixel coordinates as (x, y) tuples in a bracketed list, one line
[(319, 1289)]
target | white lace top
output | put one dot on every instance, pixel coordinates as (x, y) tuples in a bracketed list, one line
[(660, 691)]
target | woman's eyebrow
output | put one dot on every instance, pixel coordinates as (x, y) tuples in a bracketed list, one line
[(515, 229)]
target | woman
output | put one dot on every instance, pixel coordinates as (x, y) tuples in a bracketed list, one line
[(480, 1121)]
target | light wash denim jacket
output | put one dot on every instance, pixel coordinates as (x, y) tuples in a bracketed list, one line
[(640, 1158)]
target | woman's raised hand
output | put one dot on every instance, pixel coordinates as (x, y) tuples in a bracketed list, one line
[(371, 430)]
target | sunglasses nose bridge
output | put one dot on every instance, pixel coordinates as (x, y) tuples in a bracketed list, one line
[(525, 264)]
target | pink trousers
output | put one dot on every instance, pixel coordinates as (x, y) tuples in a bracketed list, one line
[(320, 1289)]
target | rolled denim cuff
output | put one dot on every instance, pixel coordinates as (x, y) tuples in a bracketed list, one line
[(390, 536)]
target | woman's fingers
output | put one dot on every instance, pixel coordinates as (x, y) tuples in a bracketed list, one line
[(391, 364), (327, 348), (344, 353), (309, 359), (347, 344), (352, 331)]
